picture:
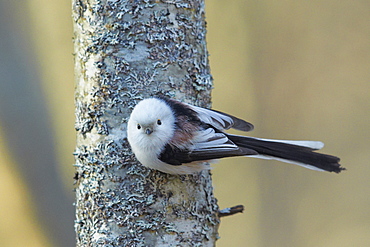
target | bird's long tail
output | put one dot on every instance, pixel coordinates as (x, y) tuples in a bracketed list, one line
[(295, 152)]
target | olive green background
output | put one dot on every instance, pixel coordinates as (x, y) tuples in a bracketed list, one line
[(295, 69)]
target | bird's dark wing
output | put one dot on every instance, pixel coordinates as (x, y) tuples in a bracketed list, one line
[(220, 120), (207, 145)]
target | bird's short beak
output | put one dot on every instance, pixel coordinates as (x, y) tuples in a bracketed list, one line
[(148, 131)]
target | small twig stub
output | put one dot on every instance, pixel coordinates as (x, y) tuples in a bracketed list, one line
[(230, 211)]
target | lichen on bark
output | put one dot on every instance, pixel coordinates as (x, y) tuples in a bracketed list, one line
[(126, 51)]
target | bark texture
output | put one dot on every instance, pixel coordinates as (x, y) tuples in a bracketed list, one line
[(126, 51)]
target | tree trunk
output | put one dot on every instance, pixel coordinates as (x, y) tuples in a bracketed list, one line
[(126, 51)]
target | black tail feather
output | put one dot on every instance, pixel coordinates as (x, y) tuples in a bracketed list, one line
[(301, 155)]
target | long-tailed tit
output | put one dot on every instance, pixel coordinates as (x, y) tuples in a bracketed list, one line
[(178, 138)]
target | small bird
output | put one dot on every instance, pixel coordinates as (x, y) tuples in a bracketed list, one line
[(179, 138)]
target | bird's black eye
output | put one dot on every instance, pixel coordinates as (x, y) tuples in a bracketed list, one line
[(138, 126), (159, 122)]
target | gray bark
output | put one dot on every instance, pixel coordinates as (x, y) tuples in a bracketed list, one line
[(126, 51)]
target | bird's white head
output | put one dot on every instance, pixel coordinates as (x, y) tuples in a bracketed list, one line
[(151, 126)]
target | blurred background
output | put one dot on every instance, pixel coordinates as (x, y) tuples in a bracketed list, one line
[(295, 69)]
